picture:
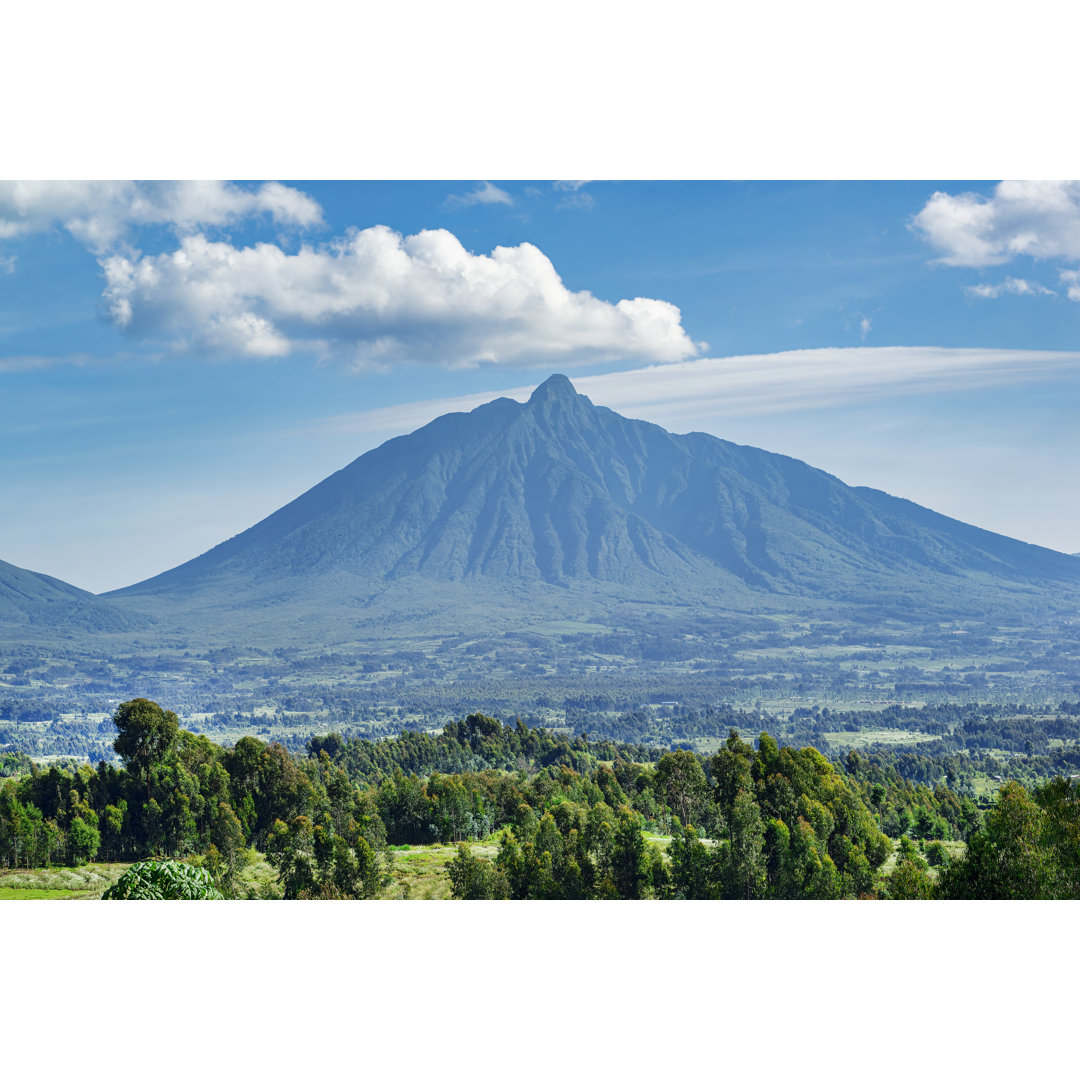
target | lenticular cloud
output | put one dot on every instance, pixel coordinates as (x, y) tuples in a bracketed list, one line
[(378, 297)]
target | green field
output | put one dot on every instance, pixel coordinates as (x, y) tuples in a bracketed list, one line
[(60, 882), (41, 894)]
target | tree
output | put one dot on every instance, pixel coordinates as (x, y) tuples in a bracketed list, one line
[(472, 878), (693, 869), (911, 879), (84, 837), (290, 849), (1060, 802), (165, 879), (146, 732), (680, 780), (746, 868), (1007, 859), (629, 861), (228, 842)]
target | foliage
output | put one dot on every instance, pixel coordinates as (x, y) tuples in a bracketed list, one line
[(163, 880), (560, 817), (1028, 848)]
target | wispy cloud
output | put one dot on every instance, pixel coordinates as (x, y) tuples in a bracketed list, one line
[(574, 197), (1011, 285), (485, 194), (689, 394), (1071, 279), (101, 214), (864, 327), (378, 297), (38, 363)]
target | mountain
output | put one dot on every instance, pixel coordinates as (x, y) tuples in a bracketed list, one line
[(565, 505), (32, 604)]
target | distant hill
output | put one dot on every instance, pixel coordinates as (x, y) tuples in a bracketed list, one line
[(32, 603), (560, 507)]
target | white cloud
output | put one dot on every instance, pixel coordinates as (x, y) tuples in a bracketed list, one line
[(7, 264), (1038, 218), (485, 194), (1071, 278), (864, 327), (692, 394), (380, 297), (1015, 286), (100, 213)]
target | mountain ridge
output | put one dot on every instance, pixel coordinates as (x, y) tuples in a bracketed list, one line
[(558, 491)]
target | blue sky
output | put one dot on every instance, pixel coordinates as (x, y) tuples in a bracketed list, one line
[(178, 360)]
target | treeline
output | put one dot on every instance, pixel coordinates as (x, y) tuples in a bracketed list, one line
[(782, 824), (327, 832), (477, 743), (666, 725), (571, 814)]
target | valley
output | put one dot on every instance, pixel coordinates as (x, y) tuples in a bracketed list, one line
[(593, 591)]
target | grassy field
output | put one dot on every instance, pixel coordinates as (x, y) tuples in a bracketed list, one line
[(40, 894), (956, 849), (860, 740), (420, 871), (60, 882)]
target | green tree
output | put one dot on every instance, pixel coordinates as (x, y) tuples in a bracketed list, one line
[(228, 841), (693, 868), (145, 734), (472, 878), (629, 861), (746, 864), (84, 836), (1008, 858), (112, 827), (680, 780), (911, 879)]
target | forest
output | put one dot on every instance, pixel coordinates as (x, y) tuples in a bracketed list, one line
[(556, 817)]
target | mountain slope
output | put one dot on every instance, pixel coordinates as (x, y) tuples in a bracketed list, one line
[(561, 493), (36, 602)]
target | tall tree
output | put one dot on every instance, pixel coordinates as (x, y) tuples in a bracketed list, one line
[(680, 779), (146, 731)]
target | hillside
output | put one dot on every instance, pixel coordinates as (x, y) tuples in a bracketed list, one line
[(33, 604), (571, 508)]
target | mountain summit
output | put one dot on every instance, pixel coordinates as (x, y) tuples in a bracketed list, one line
[(559, 493)]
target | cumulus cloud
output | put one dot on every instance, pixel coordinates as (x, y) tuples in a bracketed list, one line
[(485, 194), (1011, 285), (1037, 218), (382, 297), (100, 213)]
